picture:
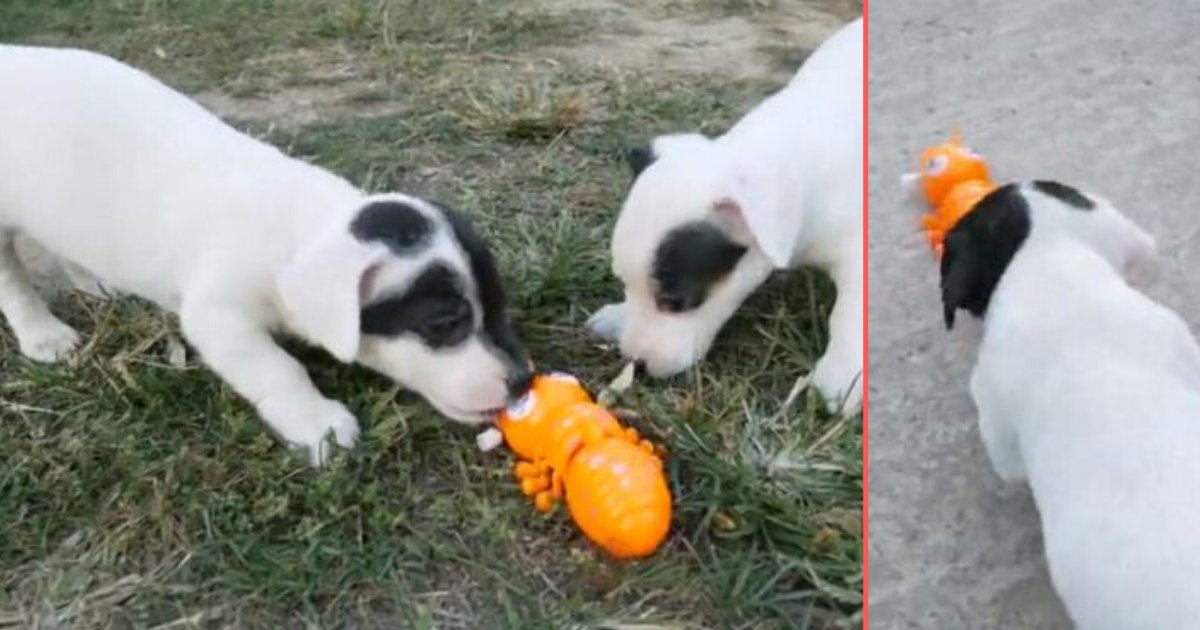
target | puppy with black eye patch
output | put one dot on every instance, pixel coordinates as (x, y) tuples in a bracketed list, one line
[(692, 260), (153, 195), (1089, 391), (706, 221)]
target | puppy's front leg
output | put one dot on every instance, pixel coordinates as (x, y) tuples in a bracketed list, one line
[(608, 323), (40, 335), (247, 357), (998, 434), (838, 373)]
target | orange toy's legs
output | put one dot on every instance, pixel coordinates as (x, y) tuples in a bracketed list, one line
[(935, 229), (631, 435), (544, 502), (540, 483)]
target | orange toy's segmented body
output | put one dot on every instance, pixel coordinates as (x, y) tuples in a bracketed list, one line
[(612, 479), (953, 179)]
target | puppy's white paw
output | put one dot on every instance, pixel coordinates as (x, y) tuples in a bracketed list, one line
[(46, 339), (609, 322), (336, 423), (83, 280), (839, 379), (314, 428)]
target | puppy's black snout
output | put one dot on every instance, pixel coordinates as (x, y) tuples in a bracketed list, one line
[(520, 383)]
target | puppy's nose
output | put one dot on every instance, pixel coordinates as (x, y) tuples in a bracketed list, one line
[(1142, 270), (1141, 261), (520, 383), (639, 368)]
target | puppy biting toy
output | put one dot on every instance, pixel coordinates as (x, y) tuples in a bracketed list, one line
[(953, 179), (570, 446)]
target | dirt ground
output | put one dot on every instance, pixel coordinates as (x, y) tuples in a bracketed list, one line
[(736, 38), (765, 39)]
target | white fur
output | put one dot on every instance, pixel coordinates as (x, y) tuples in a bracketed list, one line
[(786, 181), (137, 185), (1091, 392)]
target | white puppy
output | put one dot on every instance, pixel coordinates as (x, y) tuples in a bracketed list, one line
[(135, 183), (1091, 392), (707, 220)]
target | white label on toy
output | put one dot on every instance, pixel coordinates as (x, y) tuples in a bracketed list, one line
[(937, 165)]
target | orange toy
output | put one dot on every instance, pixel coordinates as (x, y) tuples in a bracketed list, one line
[(570, 446), (953, 179)]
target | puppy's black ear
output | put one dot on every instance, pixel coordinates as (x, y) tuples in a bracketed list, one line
[(647, 154), (492, 297), (978, 250), (639, 158), (958, 274)]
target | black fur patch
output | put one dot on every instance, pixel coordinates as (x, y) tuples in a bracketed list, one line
[(1066, 194), (496, 325), (521, 384), (398, 225), (979, 248), (640, 158), (433, 308), (689, 261)]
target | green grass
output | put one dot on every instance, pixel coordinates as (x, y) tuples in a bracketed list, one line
[(134, 492)]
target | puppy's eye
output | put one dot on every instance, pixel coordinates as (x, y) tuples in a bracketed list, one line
[(448, 327), (442, 327), (690, 261), (672, 303)]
